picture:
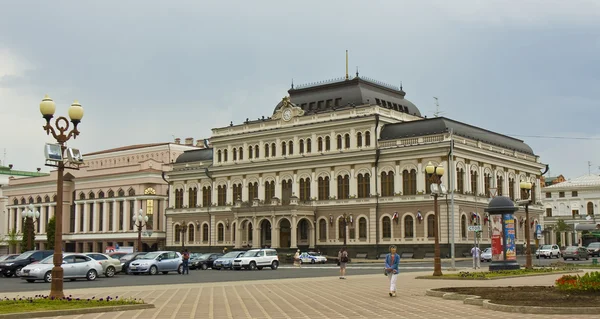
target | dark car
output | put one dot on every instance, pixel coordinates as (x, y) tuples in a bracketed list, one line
[(13, 267), (576, 253), (205, 261), (8, 257), (594, 249), (127, 259)]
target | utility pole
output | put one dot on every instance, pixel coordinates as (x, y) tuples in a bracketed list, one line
[(452, 186)]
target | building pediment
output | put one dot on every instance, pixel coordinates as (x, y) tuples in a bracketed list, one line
[(287, 111)]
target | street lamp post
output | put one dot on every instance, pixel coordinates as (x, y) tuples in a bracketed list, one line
[(47, 108), (347, 219), (31, 217), (140, 221), (436, 178), (182, 229), (526, 192)]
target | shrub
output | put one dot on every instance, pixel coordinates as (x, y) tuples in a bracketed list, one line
[(589, 282)]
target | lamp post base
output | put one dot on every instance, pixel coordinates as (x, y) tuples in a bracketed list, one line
[(504, 265), (56, 286)]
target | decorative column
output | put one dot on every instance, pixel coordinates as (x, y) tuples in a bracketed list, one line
[(294, 233), (353, 186), (261, 190), (295, 184), (135, 211), (332, 184), (275, 237), (238, 234), (373, 186), (277, 189), (398, 180), (105, 215), (421, 178), (116, 219), (186, 195)]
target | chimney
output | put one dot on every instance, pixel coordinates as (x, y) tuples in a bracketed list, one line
[(178, 141), (189, 141), (199, 144)]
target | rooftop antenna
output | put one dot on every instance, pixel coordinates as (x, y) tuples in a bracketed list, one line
[(292, 83), (437, 112), (346, 64)]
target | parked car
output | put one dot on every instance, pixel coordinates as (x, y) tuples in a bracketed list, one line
[(157, 261), (8, 257), (205, 261), (193, 258), (576, 253), (548, 251), (226, 260), (127, 259), (110, 266), (312, 258), (13, 267), (117, 254), (594, 249), (486, 255), (74, 266), (257, 259)]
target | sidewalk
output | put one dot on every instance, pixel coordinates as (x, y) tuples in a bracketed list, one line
[(329, 297)]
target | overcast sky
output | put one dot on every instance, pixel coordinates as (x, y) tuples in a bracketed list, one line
[(148, 71)]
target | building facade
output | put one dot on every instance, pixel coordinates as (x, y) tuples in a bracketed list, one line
[(575, 202), (343, 163), (101, 198)]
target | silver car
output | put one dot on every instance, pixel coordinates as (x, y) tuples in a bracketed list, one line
[(74, 266), (157, 261)]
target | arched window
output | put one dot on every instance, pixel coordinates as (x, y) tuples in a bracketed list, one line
[(431, 226), (224, 155), (291, 148), (364, 185), (220, 233), (235, 154), (367, 138), (269, 190), (177, 233), (322, 230), (486, 184), (301, 145), (499, 185), (237, 192), (343, 187), (362, 228), (347, 141), (590, 208), (341, 228), (206, 196), (359, 139), (409, 227), (252, 191), (474, 183), (460, 180), (463, 226), (305, 189), (320, 144), (222, 195), (386, 226), (323, 186), (339, 142), (241, 154), (178, 198), (327, 143), (283, 148), (256, 153), (409, 180), (273, 150), (191, 233), (387, 184), (266, 150), (193, 197), (250, 151), (308, 146), (219, 156), (205, 232)]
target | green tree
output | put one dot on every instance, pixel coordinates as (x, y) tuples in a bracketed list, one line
[(561, 227), (24, 239), (50, 233), (11, 239)]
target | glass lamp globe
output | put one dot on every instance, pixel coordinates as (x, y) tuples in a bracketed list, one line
[(440, 170), (75, 112), (47, 107), (429, 168)]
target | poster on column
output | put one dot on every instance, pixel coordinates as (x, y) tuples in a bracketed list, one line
[(509, 235), (496, 225)]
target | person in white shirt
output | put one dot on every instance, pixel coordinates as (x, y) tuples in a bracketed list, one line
[(476, 253)]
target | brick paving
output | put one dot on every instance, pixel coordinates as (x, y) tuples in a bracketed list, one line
[(326, 297)]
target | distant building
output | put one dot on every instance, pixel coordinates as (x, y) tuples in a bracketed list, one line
[(101, 198), (552, 180), (576, 203), (7, 173)]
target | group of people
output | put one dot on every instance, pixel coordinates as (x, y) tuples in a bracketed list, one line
[(391, 268)]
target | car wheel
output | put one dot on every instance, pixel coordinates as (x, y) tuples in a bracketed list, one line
[(180, 269), (91, 275), (30, 280), (48, 276), (153, 270), (18, 271), (252, 265), (110, 272), (204, 266), (274, 264), (312, 261)]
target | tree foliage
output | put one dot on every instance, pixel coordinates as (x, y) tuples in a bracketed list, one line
[(561, 226), (50, 232), (11, 239)]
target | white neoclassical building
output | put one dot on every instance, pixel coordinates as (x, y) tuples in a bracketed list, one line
[(351, 150), (576, 203)]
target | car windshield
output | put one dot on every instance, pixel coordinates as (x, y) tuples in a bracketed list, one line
[(487, 250), (150, 255), (195, 255), (594, 245), (48, 260), (25, 255), (314, 254), (546, 247), (251, 253), (571, 248), (231, 254)]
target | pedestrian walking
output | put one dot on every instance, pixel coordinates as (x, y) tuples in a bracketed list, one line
[(476, 253), (342, 262), (186, 262), (392, 264)]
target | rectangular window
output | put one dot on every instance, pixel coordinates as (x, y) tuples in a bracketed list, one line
[(548, 212), (111, 214), (548, 195), (338, 101), (321, 104), (561, 194), (71, 223), (222, 195), (206, 196), (574, 213), (574, 194), (329, 103), (91, 220), (150, 213), (101, 217), (81, 214), (311, 106), (377, 101), (121, 214)]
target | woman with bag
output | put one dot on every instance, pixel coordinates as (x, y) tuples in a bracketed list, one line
[(342, 261), (392, 262)]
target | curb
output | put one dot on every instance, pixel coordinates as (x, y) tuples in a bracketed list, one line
[(503, 277), (79, 311), (487, 304)]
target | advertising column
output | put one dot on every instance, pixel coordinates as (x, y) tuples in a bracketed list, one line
[(496, 225), (509, 235)]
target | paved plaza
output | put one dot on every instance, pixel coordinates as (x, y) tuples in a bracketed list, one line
[(362, 296)]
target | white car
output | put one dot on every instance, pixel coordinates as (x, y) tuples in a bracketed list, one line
[(257, 259), (548, 251), (486, 255), (110, 265), (312, 258), (74, 266)]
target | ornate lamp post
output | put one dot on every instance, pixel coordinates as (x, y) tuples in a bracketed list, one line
[(526, 200), (47, 108), (31, 217), (182, 230), (436, 179), (140, 221), (348, 219)]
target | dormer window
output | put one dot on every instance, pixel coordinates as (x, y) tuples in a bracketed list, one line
[(338, 101), (311, 106)]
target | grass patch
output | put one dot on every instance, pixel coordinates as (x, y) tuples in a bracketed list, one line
[(483, 275), (45, 303)]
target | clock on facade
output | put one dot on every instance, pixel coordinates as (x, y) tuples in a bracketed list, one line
[(287, 115)]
